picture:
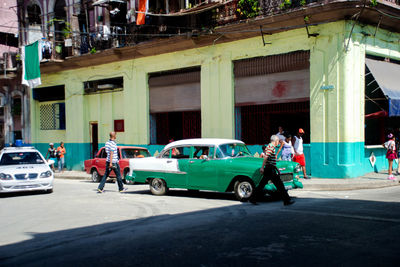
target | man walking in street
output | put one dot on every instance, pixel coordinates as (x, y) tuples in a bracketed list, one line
[(270, 172), (112, 164), (298, 151)]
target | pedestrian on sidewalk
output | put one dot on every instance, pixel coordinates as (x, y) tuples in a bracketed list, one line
[(60, 156), (269, 171), (391, 154), (298, 151), (287, 149), (112, 164), (51, 153), (281, 134)]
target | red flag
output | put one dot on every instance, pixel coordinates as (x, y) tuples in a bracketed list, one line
[(140, 20)]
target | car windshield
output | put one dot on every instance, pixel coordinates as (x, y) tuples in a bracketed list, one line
[(17, 158), (130, 153), (233, 150)]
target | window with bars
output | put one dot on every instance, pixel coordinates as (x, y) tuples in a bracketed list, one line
[(52, 116)]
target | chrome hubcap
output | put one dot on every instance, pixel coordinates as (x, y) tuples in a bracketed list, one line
[(245, 189), (156, 184)]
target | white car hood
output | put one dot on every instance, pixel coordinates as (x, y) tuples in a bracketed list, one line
[(16, 169)]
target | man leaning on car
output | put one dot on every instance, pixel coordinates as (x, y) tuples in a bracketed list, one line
[(271, 172)]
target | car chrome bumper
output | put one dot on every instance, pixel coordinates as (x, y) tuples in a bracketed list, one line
[(32, 185)]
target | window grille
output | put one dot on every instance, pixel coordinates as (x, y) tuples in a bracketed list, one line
[(52, 116)]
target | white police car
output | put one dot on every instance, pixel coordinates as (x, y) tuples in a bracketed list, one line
[(24, 169)]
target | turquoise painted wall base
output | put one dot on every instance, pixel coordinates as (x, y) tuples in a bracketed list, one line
[(345, 160), (323, 160)]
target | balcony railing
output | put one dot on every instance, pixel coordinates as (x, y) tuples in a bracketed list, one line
[(189, 23)]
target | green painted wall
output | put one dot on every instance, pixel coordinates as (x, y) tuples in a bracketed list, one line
[(336, 116)]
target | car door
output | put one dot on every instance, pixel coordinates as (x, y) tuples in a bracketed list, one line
[(202, 172), (173, 168), (101, 161)]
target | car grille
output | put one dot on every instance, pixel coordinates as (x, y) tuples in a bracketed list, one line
[(25, 176), (286, 177), (26, 186)]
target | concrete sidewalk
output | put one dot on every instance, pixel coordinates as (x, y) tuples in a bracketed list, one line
[(368, 181)]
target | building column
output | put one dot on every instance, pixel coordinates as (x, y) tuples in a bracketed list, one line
[(336, 105), (217, 98), (77, 129), (136, 111)]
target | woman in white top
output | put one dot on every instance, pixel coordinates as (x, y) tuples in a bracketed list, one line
[(287, 150)]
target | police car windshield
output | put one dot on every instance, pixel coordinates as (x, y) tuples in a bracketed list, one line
[(17, 158)]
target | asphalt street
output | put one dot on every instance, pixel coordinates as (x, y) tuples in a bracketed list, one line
[(75, 226)]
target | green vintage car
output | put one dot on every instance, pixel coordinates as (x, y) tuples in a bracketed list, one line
[(222, 165)]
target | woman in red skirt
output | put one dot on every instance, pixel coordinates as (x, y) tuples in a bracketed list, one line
[(391, 154)]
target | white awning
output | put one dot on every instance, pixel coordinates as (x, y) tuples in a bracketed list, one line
[(100, 2), (387, 76)]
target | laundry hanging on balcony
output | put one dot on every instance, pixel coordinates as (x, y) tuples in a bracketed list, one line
[(387, 76), (142, 11), (31, 56)]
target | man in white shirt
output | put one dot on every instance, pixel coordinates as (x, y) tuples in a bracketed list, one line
[(298, 151)]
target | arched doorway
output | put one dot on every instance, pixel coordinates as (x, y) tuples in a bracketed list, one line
[(34, 19)]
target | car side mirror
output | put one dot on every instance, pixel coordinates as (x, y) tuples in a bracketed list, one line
[(50, 162)]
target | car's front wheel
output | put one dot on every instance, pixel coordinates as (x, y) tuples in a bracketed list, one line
[(95, 176), (158, 187), (244, 190)]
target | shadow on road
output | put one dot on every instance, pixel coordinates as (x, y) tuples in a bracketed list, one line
[(313, 232)]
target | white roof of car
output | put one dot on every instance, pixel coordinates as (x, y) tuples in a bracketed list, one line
[(202, 141), (18, 149)]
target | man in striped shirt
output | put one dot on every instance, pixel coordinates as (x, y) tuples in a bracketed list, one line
[(270, 172), (112, 164)]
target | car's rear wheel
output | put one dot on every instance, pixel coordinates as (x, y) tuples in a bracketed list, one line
[(244, 190), (95, 176), (158, 187), (127, 181)]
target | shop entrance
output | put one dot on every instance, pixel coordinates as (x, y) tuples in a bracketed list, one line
[(270, 92), (175, 105)]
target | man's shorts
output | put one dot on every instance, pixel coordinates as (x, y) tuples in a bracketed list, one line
[(300, 159)]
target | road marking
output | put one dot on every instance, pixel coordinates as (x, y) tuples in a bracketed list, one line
[(359, 217)]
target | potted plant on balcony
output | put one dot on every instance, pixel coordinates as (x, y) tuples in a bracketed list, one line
[(248, 8)]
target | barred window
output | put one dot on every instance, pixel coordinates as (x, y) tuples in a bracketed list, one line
[(52, 116)]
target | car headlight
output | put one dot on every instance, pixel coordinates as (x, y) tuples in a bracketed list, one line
[(45, 174), (4, 176), (297, 168)]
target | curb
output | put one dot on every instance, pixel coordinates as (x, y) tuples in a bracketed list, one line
[(349, 185)]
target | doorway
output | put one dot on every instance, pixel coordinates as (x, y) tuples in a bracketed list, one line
[(94, 138)]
